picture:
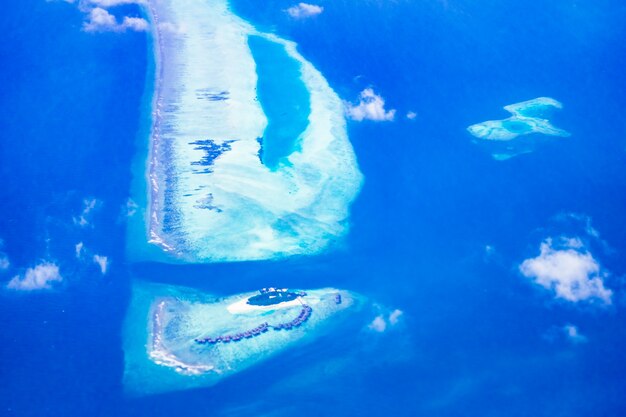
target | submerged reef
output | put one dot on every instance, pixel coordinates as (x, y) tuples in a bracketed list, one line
[(248, 156), (177, 338), (502, 136)]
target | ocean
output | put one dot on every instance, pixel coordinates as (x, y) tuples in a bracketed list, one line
[(438, 229)]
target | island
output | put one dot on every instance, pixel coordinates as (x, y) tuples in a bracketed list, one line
[(272, 296), (527, 117), (178, 338), (244, 154)]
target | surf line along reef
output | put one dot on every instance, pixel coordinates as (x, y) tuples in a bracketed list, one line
[(248, 156), (192, 339)]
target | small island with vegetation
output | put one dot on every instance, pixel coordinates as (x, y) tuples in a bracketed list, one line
[(271, 296)]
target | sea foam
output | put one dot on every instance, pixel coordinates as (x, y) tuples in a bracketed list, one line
[(210, 197)]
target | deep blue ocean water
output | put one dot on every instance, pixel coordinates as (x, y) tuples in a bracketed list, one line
[(476, 337)]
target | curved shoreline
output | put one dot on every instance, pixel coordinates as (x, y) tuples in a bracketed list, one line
[(238, 209), (153, 145), (160, 355)]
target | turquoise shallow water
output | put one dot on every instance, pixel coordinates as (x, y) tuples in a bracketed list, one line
[(284, 99)]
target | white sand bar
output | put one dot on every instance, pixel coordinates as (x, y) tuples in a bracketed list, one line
[(526, 117)]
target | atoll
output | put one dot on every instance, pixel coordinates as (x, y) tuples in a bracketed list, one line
[(248, 155)]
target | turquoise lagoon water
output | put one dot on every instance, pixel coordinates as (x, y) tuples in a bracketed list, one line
[(284, 99)]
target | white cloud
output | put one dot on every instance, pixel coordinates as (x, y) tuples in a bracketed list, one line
[(572, 242), (395, 316), (583, 223), (37, 278), (100, 20), (371, 106), (304, 10), (88, 5), (573, 334), (84, 254), (89, 205), (380, 324), (103, 262), (135, 23), (79, 249), (112, 3), (570, 271), (411, 115)]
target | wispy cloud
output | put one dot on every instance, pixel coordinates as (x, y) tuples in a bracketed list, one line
[(4, 262), (131, 207), (40, 277), (79, 249), (137, 24), (567, 269), (102, 262), (378, 324), (394, 316), (382, 323), (84, 254), (4, 258), (370, 106), (87, 5), (573, 334), (84, 219), (100, 20), (583, 225), (569, 333), (304, 10), (111, 3)]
